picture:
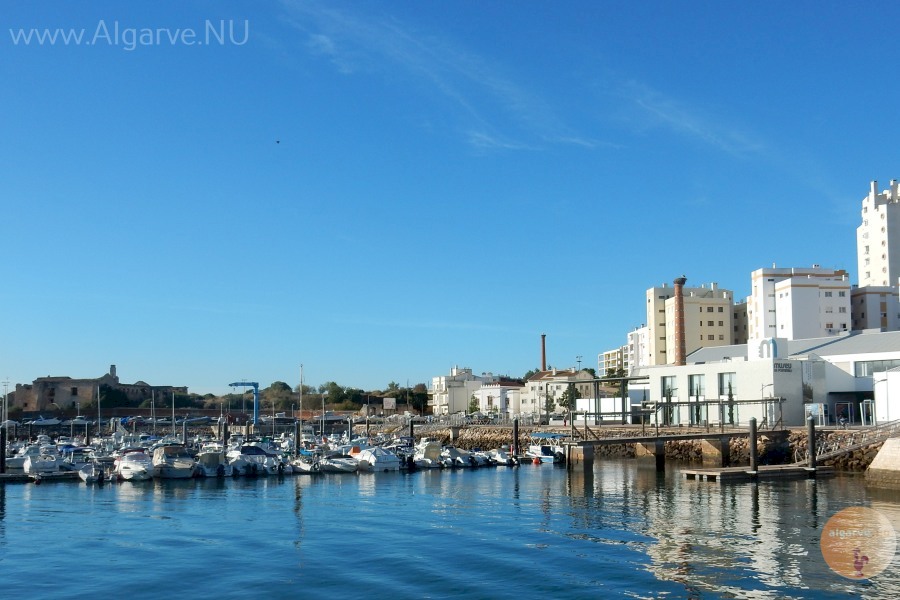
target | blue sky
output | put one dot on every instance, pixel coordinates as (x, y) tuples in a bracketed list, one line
[(381, 191)]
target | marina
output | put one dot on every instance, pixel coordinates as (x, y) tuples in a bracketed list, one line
[(617, 530)]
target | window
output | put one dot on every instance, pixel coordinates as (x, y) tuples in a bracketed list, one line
[(842, 294), (869, 367), (710, 337), (829, 325), (721, 309), (721, 337), (842, 309), (697, 385), (710, 323), (721, 323), (829, 309), (74, 391), (667, 385), (709, 309), (828, 294), (727, 385)]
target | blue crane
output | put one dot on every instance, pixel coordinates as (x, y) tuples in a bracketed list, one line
[(255, 387)]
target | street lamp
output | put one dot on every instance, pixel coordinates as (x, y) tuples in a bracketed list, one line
[(765, 405)]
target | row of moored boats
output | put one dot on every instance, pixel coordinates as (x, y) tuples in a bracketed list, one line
[(145, 458)]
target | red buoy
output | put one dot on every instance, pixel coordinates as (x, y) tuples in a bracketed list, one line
[(536, 461)]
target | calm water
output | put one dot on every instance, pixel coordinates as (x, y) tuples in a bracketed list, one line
[(533, 531)]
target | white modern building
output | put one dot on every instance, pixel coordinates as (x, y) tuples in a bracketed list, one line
[(878, 237), (776, 380), (798, 303)]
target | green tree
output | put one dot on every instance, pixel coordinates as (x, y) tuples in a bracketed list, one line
[(418, 399), (567, 400), (473, 404), (393, 387)]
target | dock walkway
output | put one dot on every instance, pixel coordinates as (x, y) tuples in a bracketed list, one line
[(763, 473)]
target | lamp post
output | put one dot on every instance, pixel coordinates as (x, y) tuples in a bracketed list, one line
[(293, 407)]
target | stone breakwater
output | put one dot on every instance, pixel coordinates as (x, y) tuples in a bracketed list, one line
[(776, 449)]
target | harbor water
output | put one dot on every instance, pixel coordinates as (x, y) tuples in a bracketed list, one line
[(616, 530)]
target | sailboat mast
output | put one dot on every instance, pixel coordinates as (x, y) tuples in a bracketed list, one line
[(173, 413)]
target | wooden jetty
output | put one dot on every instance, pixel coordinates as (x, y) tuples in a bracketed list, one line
[(20, 477), (762, 473)]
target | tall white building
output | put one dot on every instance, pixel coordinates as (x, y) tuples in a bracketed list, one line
[(878, 237), (708, 320), (875, 307), (798, 303), (638, 348)]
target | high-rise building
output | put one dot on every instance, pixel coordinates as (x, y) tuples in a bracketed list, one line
[(878, 237)]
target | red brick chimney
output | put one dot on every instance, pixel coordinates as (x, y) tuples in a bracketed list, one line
[(543, 352), (680, 343)]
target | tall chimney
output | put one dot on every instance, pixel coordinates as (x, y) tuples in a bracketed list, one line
[(680, 343), (543, 352)]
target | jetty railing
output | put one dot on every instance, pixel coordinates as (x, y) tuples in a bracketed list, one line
[(838, 445)]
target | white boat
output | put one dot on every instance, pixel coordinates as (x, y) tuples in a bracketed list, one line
[(251, 460), (134, 465), (546, 447), (41, 464), (211, 461), (17, 461), (428, 455), (338, 464), (457, 457), (173, 461), (500, 457), (76, 457), (305, 465), (379, 459), (92, 473)]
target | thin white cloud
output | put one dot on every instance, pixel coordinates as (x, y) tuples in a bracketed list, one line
[(660, 110), (489, 102)]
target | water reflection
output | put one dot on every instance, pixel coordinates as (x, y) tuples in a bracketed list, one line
[(729, 539)]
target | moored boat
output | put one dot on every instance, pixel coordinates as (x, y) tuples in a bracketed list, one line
[(134, 465), (546, 447), (377, 458), (173, 461)]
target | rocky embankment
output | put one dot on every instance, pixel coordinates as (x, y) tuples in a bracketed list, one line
[(773, 449)]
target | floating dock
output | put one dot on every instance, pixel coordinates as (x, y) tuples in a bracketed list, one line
[(20, 477), (763, 473)]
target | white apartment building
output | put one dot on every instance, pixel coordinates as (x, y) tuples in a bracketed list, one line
[(798, 303), (453, 393), (638, 348), (614, 359), (875, 307), (708, 320), (878, 237)]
